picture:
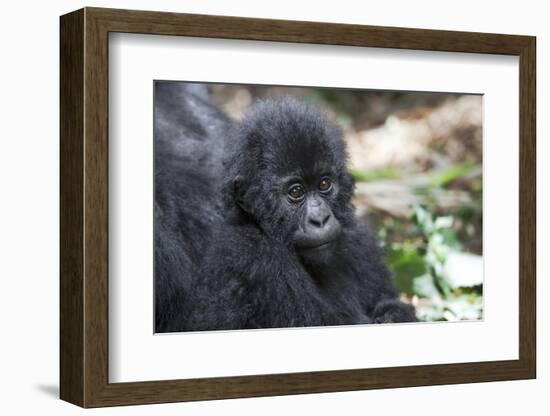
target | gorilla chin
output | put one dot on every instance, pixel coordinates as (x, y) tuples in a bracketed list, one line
[(319, 255)]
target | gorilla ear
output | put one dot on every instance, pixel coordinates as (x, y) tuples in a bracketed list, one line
[(347, 181), (348, 185)]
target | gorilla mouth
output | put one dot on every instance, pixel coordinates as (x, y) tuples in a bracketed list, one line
[(320, 246)]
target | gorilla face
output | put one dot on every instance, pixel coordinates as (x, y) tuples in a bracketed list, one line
[(317, 228), (290, 178)]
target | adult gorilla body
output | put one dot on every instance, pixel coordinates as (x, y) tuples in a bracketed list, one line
[(254, 224)]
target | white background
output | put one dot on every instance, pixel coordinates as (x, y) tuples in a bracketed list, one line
[(312, 349), (29, 208)]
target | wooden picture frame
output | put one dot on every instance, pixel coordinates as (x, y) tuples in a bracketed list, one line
[(84, 207)]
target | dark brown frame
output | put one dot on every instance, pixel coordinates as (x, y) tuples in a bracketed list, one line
[(84, 209)]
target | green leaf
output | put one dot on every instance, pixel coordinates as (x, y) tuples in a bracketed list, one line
[(450, 239), (405, 264), (463, 270), (450, 174), (425, 287), (443, 222), (423, 219), (430, 313), (465, 307)]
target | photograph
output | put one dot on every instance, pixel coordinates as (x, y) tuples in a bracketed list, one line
[(287, 206), (270, 205)]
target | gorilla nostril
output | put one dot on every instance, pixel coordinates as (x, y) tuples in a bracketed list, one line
[(319, 221)]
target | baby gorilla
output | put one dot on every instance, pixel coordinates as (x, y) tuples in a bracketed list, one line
[(284, 248)]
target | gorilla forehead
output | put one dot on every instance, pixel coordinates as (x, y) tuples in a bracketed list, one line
[(289, 136)]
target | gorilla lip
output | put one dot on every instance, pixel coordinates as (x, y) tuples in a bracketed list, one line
[(319, 246)]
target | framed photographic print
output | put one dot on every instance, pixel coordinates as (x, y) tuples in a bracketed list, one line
[(257, 207)]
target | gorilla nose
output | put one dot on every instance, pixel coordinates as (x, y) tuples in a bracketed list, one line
[(320, 220), (320, 227)]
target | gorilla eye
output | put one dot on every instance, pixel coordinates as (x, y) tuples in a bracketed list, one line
[(296, 192), (325, 185)]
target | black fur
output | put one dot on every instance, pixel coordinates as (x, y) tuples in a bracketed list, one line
[(225, 257)]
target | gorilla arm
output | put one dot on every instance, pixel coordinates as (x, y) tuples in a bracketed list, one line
[(374, 284)]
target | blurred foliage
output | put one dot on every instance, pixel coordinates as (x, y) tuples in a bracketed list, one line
[(366, 109), (418, 265), (450, 174), (374, 174)]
